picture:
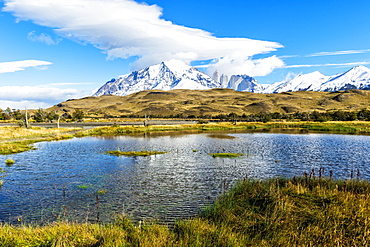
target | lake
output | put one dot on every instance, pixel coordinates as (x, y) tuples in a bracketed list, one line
[(74, 180)]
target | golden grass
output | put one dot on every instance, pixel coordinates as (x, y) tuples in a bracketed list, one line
[(17, 139), (215, 102)]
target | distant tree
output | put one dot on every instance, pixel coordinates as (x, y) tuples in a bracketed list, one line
[(16, 114), (51, 116), (78, 114), (40, 115)]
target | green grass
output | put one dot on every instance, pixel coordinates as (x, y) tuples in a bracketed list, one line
[(83, 186), (9, 162), (134, 153), (274, 212), (226, 155)]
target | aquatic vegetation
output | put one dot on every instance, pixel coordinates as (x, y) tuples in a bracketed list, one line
[(83, 186), (134, 153), (1, 183), (226, 155), (9, 162)]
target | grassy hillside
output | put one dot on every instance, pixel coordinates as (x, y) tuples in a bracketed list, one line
[(215, 102)]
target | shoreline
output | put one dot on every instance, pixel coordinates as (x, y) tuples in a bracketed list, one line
[(13, 142)]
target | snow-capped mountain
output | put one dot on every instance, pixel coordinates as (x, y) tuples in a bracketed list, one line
[(173, 74), (302, 82), (356, 78)]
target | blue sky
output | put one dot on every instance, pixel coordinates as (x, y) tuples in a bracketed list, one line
[(53, 50)]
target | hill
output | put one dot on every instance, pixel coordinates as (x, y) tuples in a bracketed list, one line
[(214, 102)]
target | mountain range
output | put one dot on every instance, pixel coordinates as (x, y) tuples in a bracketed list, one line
[(175, 74)]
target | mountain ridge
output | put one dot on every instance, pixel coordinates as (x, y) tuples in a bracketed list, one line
[(175, 74)]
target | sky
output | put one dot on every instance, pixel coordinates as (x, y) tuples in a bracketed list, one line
[(54, 50)]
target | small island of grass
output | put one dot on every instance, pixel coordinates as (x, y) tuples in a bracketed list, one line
[(134, 153), (9, 162), (226, 155)]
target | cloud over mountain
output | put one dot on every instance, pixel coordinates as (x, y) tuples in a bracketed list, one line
[(125, 28)]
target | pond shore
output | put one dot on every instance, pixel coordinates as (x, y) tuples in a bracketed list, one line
[(302, 211), (15, 139)]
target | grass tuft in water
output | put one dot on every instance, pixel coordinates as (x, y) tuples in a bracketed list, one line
[(226, 155), (9, 162), (83, 186), (134, 153)]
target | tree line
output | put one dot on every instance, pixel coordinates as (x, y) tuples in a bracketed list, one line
[(42, 115), (338, 115), (39, 115)]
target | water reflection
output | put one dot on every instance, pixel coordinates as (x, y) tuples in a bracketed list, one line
[(75, 180)]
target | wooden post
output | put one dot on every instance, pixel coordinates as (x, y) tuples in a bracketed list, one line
[(27, 118)]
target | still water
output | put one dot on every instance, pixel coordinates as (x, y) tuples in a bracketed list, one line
[(74, 180)]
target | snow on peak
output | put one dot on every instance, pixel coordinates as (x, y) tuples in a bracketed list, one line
[(176, 65), (172, 74), (302, 82)]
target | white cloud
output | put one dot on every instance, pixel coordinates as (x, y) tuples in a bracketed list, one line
[(13, 96), (236, 65), (334, 53), (43, 38), (7, 67), (63, 84), (326, 65), (23, 104), (125, 28)]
